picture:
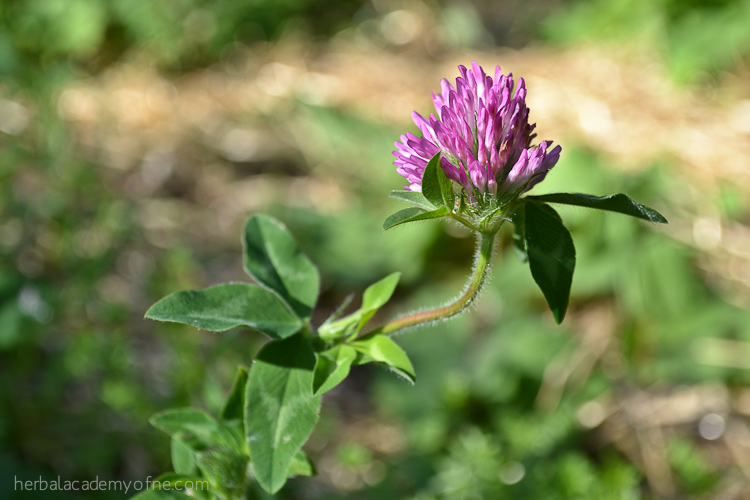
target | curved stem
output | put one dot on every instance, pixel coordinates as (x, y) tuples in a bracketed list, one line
[(481, 266)]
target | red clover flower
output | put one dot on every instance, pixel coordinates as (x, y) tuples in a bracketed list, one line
[(481, 130)]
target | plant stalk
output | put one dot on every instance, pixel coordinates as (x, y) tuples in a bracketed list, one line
[(481, 267)]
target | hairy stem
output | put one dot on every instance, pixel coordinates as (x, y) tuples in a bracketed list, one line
[(481, 267), (464, 222)]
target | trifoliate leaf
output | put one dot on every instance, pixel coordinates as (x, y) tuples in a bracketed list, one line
[(552, 256), (413, 197), (280, 410), (332, 367), (436, 187), (620, 203), (226, 306), (413, 214), (274, 260), (382, 349)]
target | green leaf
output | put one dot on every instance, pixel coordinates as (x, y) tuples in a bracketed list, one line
[(194, 487), (224, 467), (280, 411), (232, 414), (234, 406), (332, 367), (183, 458), (274, 260), (620, 203), (194, 428), (161, 495), (413, 214), (519, 238), (552, 256), (382, 349), (226, 306), (302, 465), (413, 197), (436, 187), (376, 296)]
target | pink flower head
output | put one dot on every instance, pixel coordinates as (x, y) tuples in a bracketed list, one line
[(481, 130)]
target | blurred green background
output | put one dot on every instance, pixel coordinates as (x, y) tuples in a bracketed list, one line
[(136, 137)]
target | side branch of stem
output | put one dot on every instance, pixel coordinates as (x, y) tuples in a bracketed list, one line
[(478, 276)]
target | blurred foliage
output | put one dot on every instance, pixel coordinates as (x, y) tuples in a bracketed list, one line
[(176, 34), (80, 371), (697, 38)]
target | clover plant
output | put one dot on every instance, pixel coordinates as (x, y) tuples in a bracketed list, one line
[(474, 164)]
